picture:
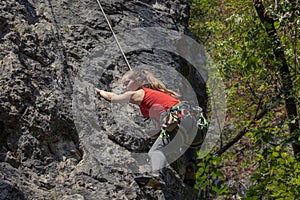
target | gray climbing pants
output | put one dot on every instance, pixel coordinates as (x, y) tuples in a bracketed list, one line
[(169, 147)]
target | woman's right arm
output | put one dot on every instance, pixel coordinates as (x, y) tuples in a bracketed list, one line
[(106, 95), (127, 97)]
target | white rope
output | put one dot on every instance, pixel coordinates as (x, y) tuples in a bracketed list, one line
[(114, 35)]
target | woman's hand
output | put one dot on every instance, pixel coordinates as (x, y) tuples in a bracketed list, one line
[(98, 91), (106, 95)]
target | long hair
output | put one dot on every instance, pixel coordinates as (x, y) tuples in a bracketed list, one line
[(150, 81)]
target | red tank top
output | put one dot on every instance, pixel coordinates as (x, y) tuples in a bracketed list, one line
[(155, 103)]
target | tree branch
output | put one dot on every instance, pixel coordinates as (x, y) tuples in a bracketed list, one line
[(245, 129)]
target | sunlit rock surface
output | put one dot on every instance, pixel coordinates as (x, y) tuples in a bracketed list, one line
[(49, 147)]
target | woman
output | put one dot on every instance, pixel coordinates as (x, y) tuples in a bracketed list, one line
[(159, 103)]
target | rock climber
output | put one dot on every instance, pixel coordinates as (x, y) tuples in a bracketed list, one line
[(175, 121)]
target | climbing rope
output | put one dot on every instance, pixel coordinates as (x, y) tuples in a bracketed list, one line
[(117, 41)]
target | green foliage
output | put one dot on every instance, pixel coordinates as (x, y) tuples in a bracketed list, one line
[(278, 175), (209, 177), (240, 47)]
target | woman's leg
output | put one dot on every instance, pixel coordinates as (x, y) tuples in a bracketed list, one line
[(157, 157), (189, 125)]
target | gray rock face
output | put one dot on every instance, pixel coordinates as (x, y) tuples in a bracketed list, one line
[(44, 47)]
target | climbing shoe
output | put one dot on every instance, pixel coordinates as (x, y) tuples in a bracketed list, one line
[(150, 181), (190, 175)]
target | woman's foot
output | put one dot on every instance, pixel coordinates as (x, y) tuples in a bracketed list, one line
[(154, 181), (190, 175)]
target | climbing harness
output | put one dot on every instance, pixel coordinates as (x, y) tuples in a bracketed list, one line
[(116, 39), (171, 119)]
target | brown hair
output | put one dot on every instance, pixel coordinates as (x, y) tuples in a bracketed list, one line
[(150, 81)]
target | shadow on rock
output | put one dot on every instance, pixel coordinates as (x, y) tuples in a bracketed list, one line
[(9, 192)]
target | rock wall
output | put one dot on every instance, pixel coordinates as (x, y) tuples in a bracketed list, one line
[(44, 45)]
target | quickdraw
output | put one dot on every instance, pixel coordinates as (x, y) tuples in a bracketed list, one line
[(164, 134), (202, 122)]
